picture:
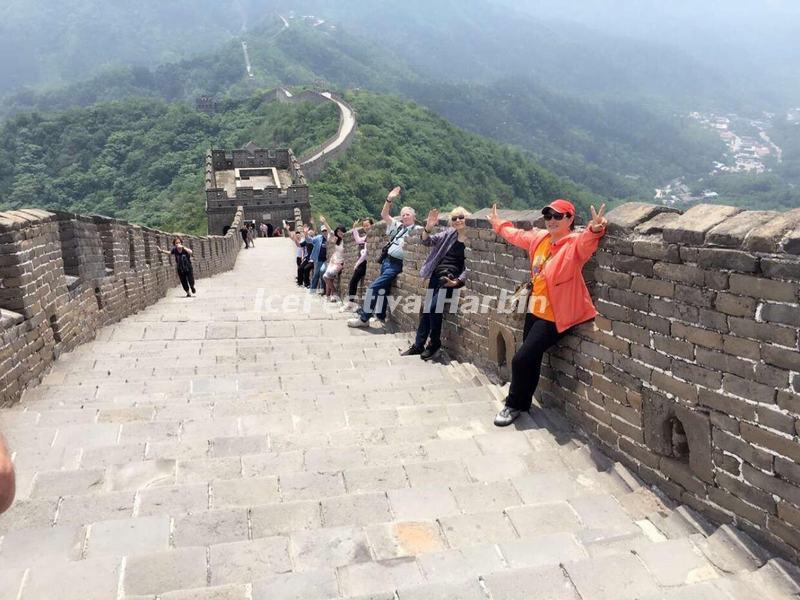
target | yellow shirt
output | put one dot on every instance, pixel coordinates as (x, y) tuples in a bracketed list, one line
[(539, 303)]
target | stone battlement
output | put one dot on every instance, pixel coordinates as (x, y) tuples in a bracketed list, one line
[(64, 276), (691, 373)]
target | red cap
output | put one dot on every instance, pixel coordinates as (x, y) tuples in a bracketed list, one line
[(561, 206)]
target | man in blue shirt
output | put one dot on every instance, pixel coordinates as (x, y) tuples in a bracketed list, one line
[(318, 243), (392, 263)]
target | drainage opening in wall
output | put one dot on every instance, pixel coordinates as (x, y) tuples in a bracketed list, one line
[(54, 327), (678, 442), (502, 357)]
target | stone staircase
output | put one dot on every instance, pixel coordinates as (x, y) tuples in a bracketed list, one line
[(205, 449)]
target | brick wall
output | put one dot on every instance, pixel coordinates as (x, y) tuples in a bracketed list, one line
[(691, 373), (63, 276)]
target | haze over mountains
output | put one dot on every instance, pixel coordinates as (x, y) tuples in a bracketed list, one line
[(597, 91)]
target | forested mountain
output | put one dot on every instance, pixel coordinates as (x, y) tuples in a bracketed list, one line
[(142, 159)]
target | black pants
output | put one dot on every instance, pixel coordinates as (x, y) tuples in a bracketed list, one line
[(430, 321), (355, 280), (299, 270), (538, 336), (187, 280), (308, 268)]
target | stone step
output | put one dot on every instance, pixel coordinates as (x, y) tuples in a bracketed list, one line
[(732, 550)]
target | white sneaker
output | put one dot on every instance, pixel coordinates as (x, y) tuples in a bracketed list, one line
[(357, 322), (335, 298)]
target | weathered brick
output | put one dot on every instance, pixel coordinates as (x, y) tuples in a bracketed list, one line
[(696, 335), (716, 280), (767, 332), (729, 405), (788, 470), (717, 258), (778, 378), (763, 288), (727, 463), (780, 268), (656, 250), (653, 287), (750, 390), (737, 506), (674, 347), (738, 306), (787, 314), (732, 232), (771, 484), (633, 264), (651, 357), (747, 452), (633, 333), (691, 226), (781, 357), (788, 401), (679, 273), (695, 296), (630, 299), (785, 446), (613, 278), (767, 237), (615, 312), (696, 374), (722, 362), (651, 322), (685, 391)]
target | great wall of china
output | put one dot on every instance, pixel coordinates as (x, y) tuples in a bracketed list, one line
[(688, 381)]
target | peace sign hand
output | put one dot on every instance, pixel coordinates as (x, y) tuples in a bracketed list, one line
[(598, 221), (493, 214)]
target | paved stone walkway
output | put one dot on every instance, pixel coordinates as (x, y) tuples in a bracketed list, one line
[(202, 449)]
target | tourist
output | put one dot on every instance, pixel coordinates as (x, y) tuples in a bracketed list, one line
[(559, 299), (183, 264), (300, 254), (318, 255), (307, 266), (335, 263), (263, 229), (446, 269), (391, 261), (243, 233), (250, 234), (360, 268), (7, 480)]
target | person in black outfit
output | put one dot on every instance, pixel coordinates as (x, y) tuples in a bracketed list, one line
[(183, 264), (447, 271), (243, 232)]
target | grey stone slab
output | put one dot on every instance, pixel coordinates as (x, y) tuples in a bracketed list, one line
[(306, 486), (52, 484), (23, 548), (96, 578), (483, 496), (107, 456), (139, 475), (543, 488), (506, 442), (521, 584), (451, 449), (283, 518), (407, 538), (541, 519), (333, 459), (244, 492), (320, 585), (128, 536), (87, 435), (28, 514), (708, 590), (244, 562), (603, 517), (82, 510), (205, 470), (173, 500), (461, 563), (450, 472), (542, 550), (394, 453), (157, 573), (677, 562), (620, 577), (379, 577), (492, 468), (355, 509), (48, 459), (10, 583), (465, 590), (222, 592), (211, 527), (222, 447), (333, 547), (477, 529), (422, 503), (178, 449), (373, 479), (264, 465)]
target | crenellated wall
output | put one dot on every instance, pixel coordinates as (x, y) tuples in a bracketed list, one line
[(691, 373), (63, 276)]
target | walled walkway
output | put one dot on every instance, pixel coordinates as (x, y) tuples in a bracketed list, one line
[(203, 449)]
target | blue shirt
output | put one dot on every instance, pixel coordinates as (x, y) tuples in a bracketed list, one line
[(316, 243)]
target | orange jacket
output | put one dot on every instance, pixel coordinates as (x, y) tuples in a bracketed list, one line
[(566, 288)]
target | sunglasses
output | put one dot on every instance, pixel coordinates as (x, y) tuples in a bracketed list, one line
[(556, 216), (458, 218)]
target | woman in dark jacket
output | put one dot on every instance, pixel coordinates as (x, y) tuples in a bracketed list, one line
[(446, 268), (183, 264)]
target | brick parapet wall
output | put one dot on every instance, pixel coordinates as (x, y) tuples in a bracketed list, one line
[(691, 373), (63, 276)]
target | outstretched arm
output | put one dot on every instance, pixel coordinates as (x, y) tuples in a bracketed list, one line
[(517, 237), (7, 483), (590, 238), (430, 223), (386, 212)]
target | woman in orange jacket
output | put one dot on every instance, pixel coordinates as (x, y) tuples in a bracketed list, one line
[(559, 299)]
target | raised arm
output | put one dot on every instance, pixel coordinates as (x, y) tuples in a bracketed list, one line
[(386, 212), (430, 223), (517, 237), (357, 237), (590, 238)]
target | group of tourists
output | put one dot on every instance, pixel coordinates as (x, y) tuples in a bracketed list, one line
[(557, 296)]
